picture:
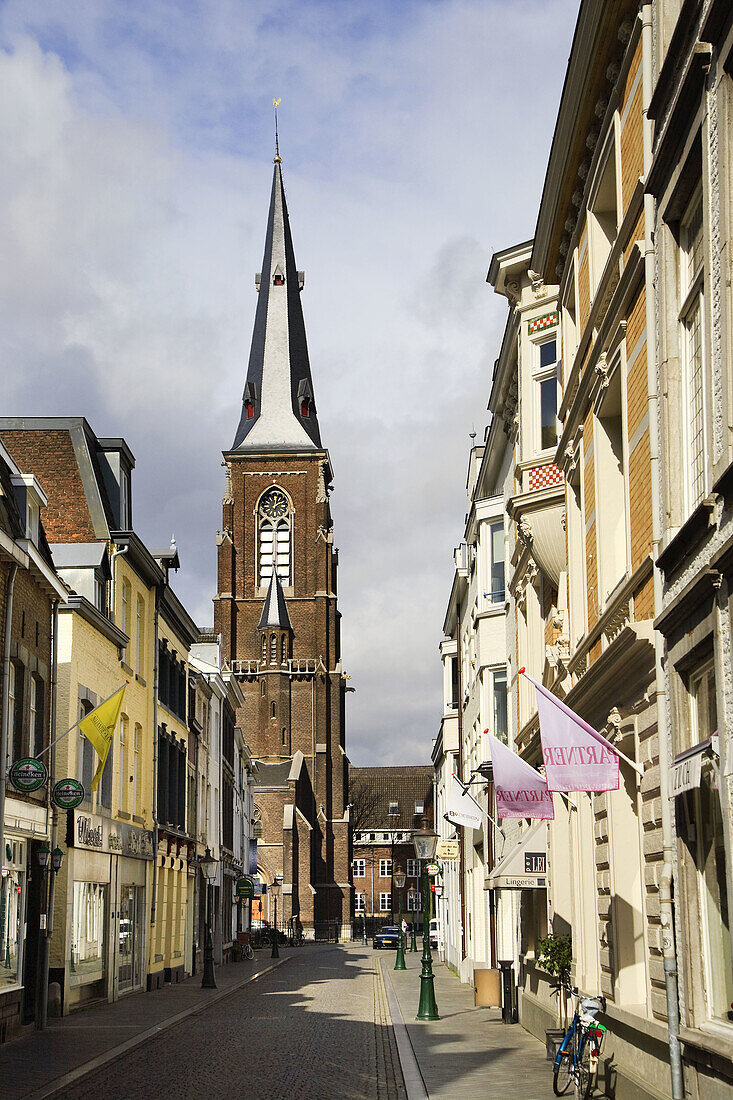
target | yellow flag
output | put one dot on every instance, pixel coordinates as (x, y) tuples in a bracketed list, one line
[(99, 728)]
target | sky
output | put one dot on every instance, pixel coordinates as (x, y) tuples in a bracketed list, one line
[(136, 144)]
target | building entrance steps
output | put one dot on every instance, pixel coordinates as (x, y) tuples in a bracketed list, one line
[(469, 1052), (39, 1064)]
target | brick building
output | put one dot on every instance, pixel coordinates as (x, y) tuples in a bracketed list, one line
[(30, 593), (276, 606), (387, 806)]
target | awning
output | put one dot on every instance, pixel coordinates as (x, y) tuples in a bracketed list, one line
[(525, 866)]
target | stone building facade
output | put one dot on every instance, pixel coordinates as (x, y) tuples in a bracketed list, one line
[(276, 605)]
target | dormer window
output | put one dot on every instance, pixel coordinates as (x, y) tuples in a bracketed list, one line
[(419, 807), (278, 278), (250, 410), (249, 400), (394, 809), (305, 407)]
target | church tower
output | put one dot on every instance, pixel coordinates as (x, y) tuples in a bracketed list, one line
[(276, 605)]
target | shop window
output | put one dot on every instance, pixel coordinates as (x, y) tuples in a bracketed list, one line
[(701, 824), (89, 925), (12, 912)]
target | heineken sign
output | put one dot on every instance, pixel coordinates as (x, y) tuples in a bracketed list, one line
[(28, 774), (245, 888), (67, 794)]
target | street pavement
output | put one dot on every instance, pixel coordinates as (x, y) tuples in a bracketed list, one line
[(325, 1022), (468, 1053)]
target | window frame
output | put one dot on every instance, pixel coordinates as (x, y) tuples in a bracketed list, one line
[(539, 376), (383, 873), (385, 901), (359, 868), (691, 293)]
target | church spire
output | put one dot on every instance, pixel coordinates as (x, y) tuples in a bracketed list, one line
[(278, 411)]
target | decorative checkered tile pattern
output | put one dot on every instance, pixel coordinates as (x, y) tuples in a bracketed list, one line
[(539, 324), (544, 476)]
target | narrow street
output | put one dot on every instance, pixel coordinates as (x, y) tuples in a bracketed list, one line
[(315, 1027)]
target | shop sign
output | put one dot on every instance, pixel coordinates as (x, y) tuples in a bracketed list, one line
[(535, 863), (67, 794), (447, 850), (686, 769), (99, 834), (28, 774), (433, 869), (245, 888)]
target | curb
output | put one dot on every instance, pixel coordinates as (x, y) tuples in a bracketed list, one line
[(413, 1078), (59, 1084)]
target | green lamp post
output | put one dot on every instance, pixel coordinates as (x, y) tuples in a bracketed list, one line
[(399, 881), (413, 896), (208, 864), (425, 841)]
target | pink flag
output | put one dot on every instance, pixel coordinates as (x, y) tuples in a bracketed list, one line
[(520, 790), (577, 757)]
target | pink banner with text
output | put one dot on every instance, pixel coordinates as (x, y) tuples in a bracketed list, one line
[(520, 791)]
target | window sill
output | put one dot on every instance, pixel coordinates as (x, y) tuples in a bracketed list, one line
[(140, 680), (126, 668), (714, 1039), (123, 814)]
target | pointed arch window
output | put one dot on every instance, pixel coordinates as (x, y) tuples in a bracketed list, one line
[(274, 543), (283, 649), (273, 649)]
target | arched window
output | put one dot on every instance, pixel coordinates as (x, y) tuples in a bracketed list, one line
[(274, 537), (262, 686), (273, 710), (264, 656), (283, 735), (283, 650), (273, 649)]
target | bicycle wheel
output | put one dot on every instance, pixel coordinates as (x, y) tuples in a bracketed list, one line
[(584, 1074), (562, 1074), (248, 952)]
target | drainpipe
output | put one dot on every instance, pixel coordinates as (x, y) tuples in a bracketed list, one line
[(154, 893), (42, 1017), (5, 721), (115, 555), (663, 719)]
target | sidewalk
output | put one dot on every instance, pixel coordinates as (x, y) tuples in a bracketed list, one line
[(469, 1052), (43, 1063)]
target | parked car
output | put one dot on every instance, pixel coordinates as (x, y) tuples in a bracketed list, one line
[(434, 932), (388, 936)]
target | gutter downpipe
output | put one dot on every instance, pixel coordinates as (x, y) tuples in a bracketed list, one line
[(663, 728), (115, 555), (42, 1019), (4, 721), (154, 892)]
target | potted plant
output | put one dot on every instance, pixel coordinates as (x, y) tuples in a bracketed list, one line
[(555, 956)]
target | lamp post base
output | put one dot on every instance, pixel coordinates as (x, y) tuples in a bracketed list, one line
[(275, 953), (427, 1009)]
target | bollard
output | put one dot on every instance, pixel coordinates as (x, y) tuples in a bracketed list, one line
[(508, 1013)]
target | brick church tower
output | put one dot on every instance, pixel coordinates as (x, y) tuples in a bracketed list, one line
[(276, 605)]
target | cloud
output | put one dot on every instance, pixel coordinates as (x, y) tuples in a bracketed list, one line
[(135, 146)]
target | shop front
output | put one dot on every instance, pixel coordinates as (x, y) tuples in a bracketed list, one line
[(107, 886)]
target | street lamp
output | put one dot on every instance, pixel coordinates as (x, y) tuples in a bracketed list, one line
[(425, 841), (208, 866), (413, 895), (43, 855), (275, 953), (399, 881)]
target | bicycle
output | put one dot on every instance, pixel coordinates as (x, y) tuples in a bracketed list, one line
[(576, 1061)]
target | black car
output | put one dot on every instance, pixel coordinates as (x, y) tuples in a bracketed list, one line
[(389, 936)]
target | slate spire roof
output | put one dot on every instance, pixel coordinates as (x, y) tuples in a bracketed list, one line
[(275, 611), (278, 410)]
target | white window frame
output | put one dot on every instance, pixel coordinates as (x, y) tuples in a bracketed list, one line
[(414, 902), (413, 868), (597, 239), (359, 903), (692, 303), (122, 765), (540, 375), (383, 865), (359, 868), (385, 902)]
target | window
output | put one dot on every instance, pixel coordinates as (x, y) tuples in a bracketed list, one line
[(125, 621), (34, 714), (610, 486), (100, 593), (359, 868), (497, 563), (413, 868), (385, 868), (273, 649), (603, 216), (135, 765), (385, 903), (454, 683), (394, 809), (414, 901), (125, 502), (360, 903), (501, 724), (703, 831), (15, 712), (273, 710), (569, 323), (264, 657), (274, 537), (693, 351), (122, 762), (283, 649), (284, 735), (546, 382), (85, 755), (139, 636), (419, 807)]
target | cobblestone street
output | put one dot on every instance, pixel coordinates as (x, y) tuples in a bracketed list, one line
[(316, 1027)]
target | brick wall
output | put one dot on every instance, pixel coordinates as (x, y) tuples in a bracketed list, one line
[(49, 454)]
